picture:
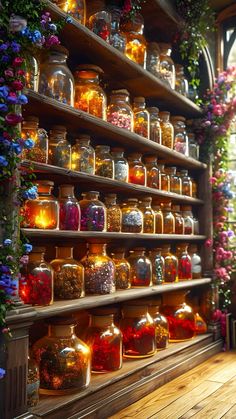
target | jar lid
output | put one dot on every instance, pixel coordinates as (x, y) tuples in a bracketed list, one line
[(103, 147), (139, 99), (104, 311), (93, 192), (31, 118), (45, 182), (61, 321), (58, 128), (120, 92), (146, 198), (119, 250), (83, 137), (183, 172), (138, 249), (178, 118), (163, 113), (111, 195), (186, 208), (135, 155), (175, 207), (38, 249), (117, 150), (89, 67), (150, 158), (59, 48), (132, 200), (153, 109)]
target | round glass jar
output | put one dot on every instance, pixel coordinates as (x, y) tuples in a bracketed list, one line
[(69, 215), (186, 183), (59, 152), (167, 67), (180, 135), (119, 111), (83, 155), (74, 8), (153, 58), (113, 213), (155, 127), (56, 80), (148, 215), (64, 360), (181, 83), (93, 212), (68, 275), (193, 147), (153, 173), (158, 266), (132, 217), (179, 221), (184, 262), (32, 386), (164, 178), (141, 117), (117, 38), (188, 219), (100, 24), (168, 218), (196, 261), (104, 162), (122, 269), (171, 264), (136, 44), (30, 130), (175, 180), (121, 165), (137, 170), (161, 324), (141, 268), (167, 130), (159, 219)]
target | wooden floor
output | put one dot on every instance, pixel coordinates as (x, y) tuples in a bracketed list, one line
[(205, 392)]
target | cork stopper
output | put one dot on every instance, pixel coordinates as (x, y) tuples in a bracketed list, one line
[(120, 92), (139, 99), (89, 67)]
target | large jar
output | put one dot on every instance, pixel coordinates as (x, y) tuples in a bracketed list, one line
[(36, 282), (56, 80), (113, 213), (188, 219), (137, 170), (184, 262), (59, 153), (64, 360), (117, 38), (167, 130), (89, 96), (141, 268), (83, 155), (186, 183), (122, 269), (136, 44), (132, 217), (171, 264), (153, 58), (99, 271), (153, 173), (161, 324), (42, 212), (74, 8), (68, 275), (168, 218), (180, 136), (167, 67), (93, 212), (121, 165), (31, 68), (100, 24), (158, 266), (104, 162), (155, 127), (164, 178), (196, 261), (175, 180), (179, 221), (69, 215), (141, 117), (30, 130), (119, 111), (181, 83), (105, 342), (159, 219), (148, 215)]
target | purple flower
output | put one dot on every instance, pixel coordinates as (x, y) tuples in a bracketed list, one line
[(3, 161), (2, 373), (7, 242), (230, 233), (5, 58), (22, 100), (3, 107), (4, 90), (15, 46), (27, 248), (29, 143), (3, 47), (4, 269)]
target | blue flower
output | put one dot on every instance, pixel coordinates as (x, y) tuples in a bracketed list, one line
[(2, 373), (29, 143), (3, 47), (53, 27), (22, 100), (31, 193), (5, 58), (69, 19), (4, 90), (7, 242), (36, 36), (15, 46), (16, 148), (3, 107), (27, 248), (26, 32), (3, 161)]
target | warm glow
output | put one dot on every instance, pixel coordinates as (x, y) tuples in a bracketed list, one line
[(42, 220)]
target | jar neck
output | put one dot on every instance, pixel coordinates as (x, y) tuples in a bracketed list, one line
[(61, 330), (57, 135), (102, 150), (135, 311), (102, 321), (66, 191), (119, 98), (57, 58), (30, 125), (97, 248), (87, 77), (44, 190), (64, 252), (110, 202), (36, 257), (138, 253), (83, 142), (118, 255), (153, 310), (145, 204), (139, 106), (118, 154), (131, 204), (91, 196)]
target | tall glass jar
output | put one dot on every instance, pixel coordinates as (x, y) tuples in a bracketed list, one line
[(141, 117), (100, 24), (194, 188), (184, 262), (59, 152), (137, 170), (180, 135), (179, 221), (74, 8), (69, 215), (136, 44), (83, 155), (31, 68), (181, 83), (105, 342), (99, 271), (119, 111), (159, 219), (171, 264), (113, 213), (93, 212), (68, 275), (153, 173), (56, 80), (30, 130), (155, 127), (132, 217), (175, 180), (64, 360), (36, 283), (117, 38), (148, 215), (158, 266), (141, 268), (153, 58), (193, 147), (104, 162), (188, 219), (32, 386), (164, 178), (167, 67), (196, 261), (122, 269), (167, 130), (121, 165), (168, 218), (161, 324), (89, 95), (186, 183)]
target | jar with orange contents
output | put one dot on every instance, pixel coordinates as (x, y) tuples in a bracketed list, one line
[(148, 215), (175, 180), (136, 44), (30, 130), (158, 219), (167, 130), (186, 183), (161, 324), (164, 178), (171, 264), (179, 221), (194, 188), (137, 170), (168, 218), (141, 117), (153, 173)]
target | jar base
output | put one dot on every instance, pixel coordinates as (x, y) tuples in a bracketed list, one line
[(61, 392), (138, 356), (181, 340)]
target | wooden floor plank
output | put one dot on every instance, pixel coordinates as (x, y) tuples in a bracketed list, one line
[(231, 413)]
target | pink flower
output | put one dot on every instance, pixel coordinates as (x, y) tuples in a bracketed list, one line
[(13, 119), (8, 73), (17, 85), (208, 243), (18, 61), (51, 40), (212, 180)]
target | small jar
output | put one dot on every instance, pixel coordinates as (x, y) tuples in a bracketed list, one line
[(200, 324), (122, 269), (161, 325), (168, 218), (141, 268), (167, 67), (179, 221), (136, 44), (36, 282), (171, 264), (181, 83), (56, 80), (167, 130), (30, 130), (195, 225), (180, 135), (83, 155), (141, 117), (93, 212), (193, 147), (74, 8), (104, 162), (119, 111), (175, 180), (194, 188), (89, 95), (117, 38), (186, 183), (113, 213), (184, 262), (100, 24), (148, 215), (121, 165), (158, 219), (188, 219), (153, 173), (69, 215), (158, 266), (196, 262), (164, 178), (32, 386), (137, 170), (155, 127), (59, 152), (153, 58), (132, 217), (99, 271)]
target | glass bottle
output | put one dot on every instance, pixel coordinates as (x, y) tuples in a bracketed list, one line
[(137, 170), (64, 360), (167, 130), (153, 173), (132, 217), (186, 183), (200, 324), (153, 58), (136, 44), (167, 67), (148, 215), (161, 324), (93, 212), (175, 180), (188, 219), (69, 215), (155, 127), (83, 155), (121, 165), (32, 386), (194, 188), (159, 219), (168, 218), (59, 152), (180, 135), (104, 162), (42, 212), (68, 275), (141, 268), (113, 213), (179, 221), (171, 264), (100, 24), (158, 266), (36, 283), (105, 342), (181, 83), (195, 225), (74, 8), (119, 111), (164, 178), (89, 95), (122, 269), (30, 130), (31, 68), (196, 261), (141, 117), (193, 146), (184, 262), (99, 270), (56, 80), (117, 38)]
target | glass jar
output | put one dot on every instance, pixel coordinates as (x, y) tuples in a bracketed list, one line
[(59, 152), (69, 215), (167, 130), (186, 183), (100, 24), (141, 268), (56, 80), (148, 215), (113, 213), (104, 162), (42, 212), (164, 178), (83, 155), (119, 111), (99, 271), (153, 173), (31, 68), (180, 135), (93, 212), (137, 170), (195, 225), (171, 264), (184, 262), (68, 275), (158, 266), (32, 386), (188, 219), (74, 8), (179, 221), (196, 261), (194, 188), (136, 44), (193, 147), (117, 38), (159, 219), (89, 95), (30, 130), (179, 315), (105, 342), (200, 324), (132, 217), (64, 360), (175, 180), (121, 165), (155, 127), (153, 58), (181, 83), (167, 67), (122, 269), (36, 283), (161, 325), (168, 218), (141, 117)]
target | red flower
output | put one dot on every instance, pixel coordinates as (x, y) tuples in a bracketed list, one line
[(13, 119), (8, 73), (18, 61), (20, 72), (17, 85)]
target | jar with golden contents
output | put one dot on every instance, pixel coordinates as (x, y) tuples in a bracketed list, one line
[(184, 262), (83, 155), (141, 117), (167, 67), (104, 162), (168, 218), (179, 221), (59, 152), (188, 219), (153, 173), (167, 130), (89, 95), (155, 127), (153, 58), (132, 217), (148, 215), (175, 180), (180, 135), (121, 165), (119, 111), (30, 131), (141, 268), (74, 8), (161, 324), (122, 269), (137, 170), (113, 213), (164, 178), (93, 212), (187, 187), (171, 264), (194, 188), (136, 44), (158, 266), (31, 68), (181, 83), (158, 218)]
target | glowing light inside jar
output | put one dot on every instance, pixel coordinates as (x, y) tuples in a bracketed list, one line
[(42, 220)]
